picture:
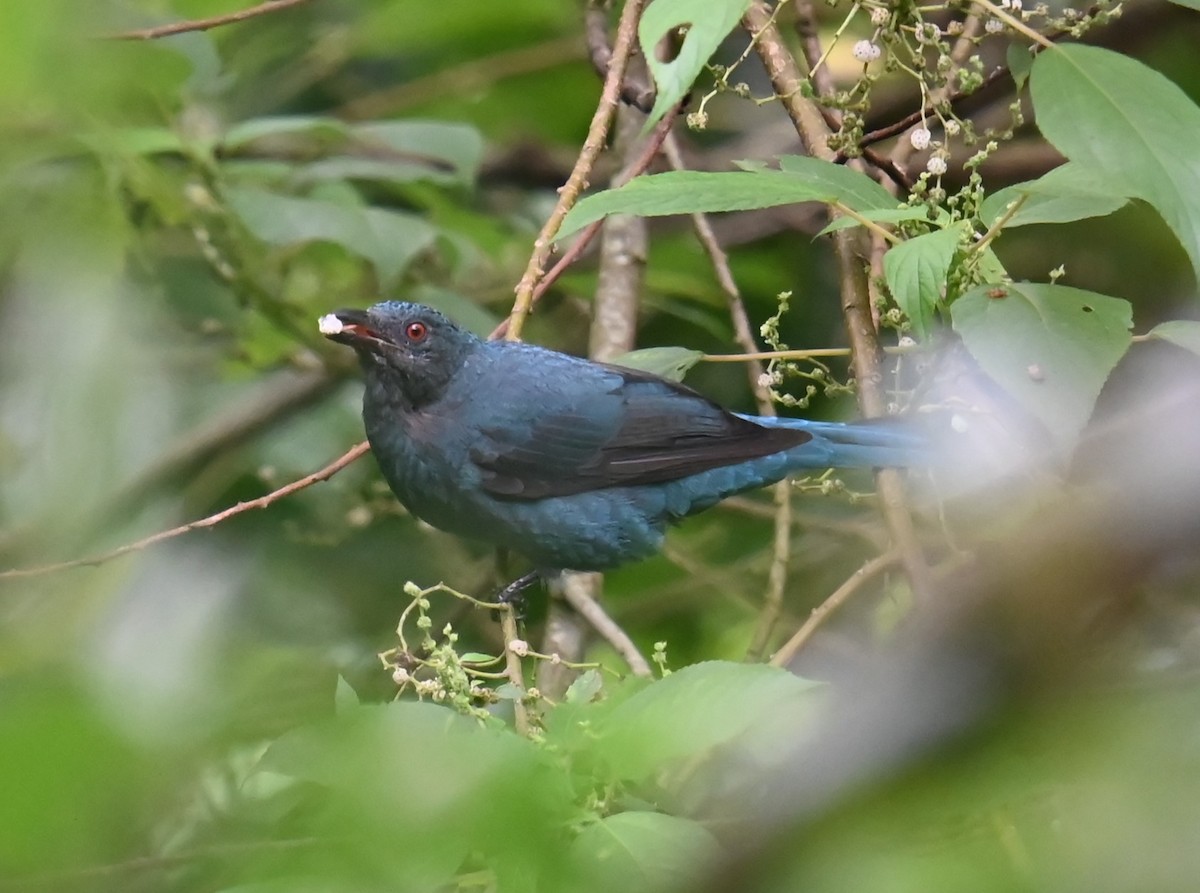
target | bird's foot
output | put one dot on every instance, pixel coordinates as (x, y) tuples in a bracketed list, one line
[(514, 593)]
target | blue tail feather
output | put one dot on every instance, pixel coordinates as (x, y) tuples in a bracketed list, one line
[(870, 443)]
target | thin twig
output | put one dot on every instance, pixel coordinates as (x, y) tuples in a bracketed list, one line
[(261, 502), (512, 668), (204, 24), (577, 181), (837, 598), (635, 91), (593, 612), (639, 166)]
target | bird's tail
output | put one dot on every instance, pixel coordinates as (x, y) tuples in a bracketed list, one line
[(871, 443)]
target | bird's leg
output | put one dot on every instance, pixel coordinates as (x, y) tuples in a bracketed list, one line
[(514, 593)]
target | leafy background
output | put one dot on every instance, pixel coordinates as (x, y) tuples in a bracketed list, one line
[(211, 713)]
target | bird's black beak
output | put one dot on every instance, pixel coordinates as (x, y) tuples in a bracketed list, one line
[(351, 327)]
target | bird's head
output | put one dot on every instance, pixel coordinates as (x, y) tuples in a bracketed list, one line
[(409, 349)]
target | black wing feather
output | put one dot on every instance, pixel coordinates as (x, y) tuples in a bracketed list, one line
[(640, 430)]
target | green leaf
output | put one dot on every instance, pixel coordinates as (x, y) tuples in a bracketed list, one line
[(688, 192), (388, 239), (586, 687), (1051, 347), (1190, 4), (455, 149), (1020, 63), (477, 657), (644, 851), (694, 709), (708, 23), (1125, 124), (669, 362), (1183, 333), (1066, 193), (325, 129), (850, 187), (916, 274), (345, 697)]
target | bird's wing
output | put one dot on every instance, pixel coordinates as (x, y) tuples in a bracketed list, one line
[(608, 426)]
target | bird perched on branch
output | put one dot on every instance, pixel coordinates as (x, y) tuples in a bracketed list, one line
[(574, 464)]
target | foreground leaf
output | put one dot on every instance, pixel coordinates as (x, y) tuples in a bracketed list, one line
[(644, 851), (695, 709), (1051, 347)]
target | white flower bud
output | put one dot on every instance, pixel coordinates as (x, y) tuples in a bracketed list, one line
[(519, 647), (879, 16), (936, 165), (865, 51), (993, 26), (919, 138)]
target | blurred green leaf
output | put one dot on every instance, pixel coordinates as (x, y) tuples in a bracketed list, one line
[(669, 362), (585, 688), (328, 130), (388, 239), (644, 851), (1126, 124), (1051, 347), (457, 149), (707, 24), (694, 709), (916, 274), (1183, 333)]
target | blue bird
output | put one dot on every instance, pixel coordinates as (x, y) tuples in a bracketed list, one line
[(574, 464)]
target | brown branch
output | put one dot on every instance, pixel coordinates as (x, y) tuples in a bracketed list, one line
[(787, 79), (204, 24), (577, 181), (593, 612), (639, 166), (837, 598), (512, 666), (261, 502), (635, 90)]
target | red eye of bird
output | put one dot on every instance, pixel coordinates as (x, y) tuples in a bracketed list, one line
[(416, 331)]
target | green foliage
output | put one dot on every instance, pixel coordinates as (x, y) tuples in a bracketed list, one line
[(705, 23), (233, 713), (1050, 346), (1125, 125)]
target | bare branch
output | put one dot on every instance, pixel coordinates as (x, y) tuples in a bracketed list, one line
[(584, 239), (204, 24), (591, 610), (839, 597), (261, 502), (577, 182)]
